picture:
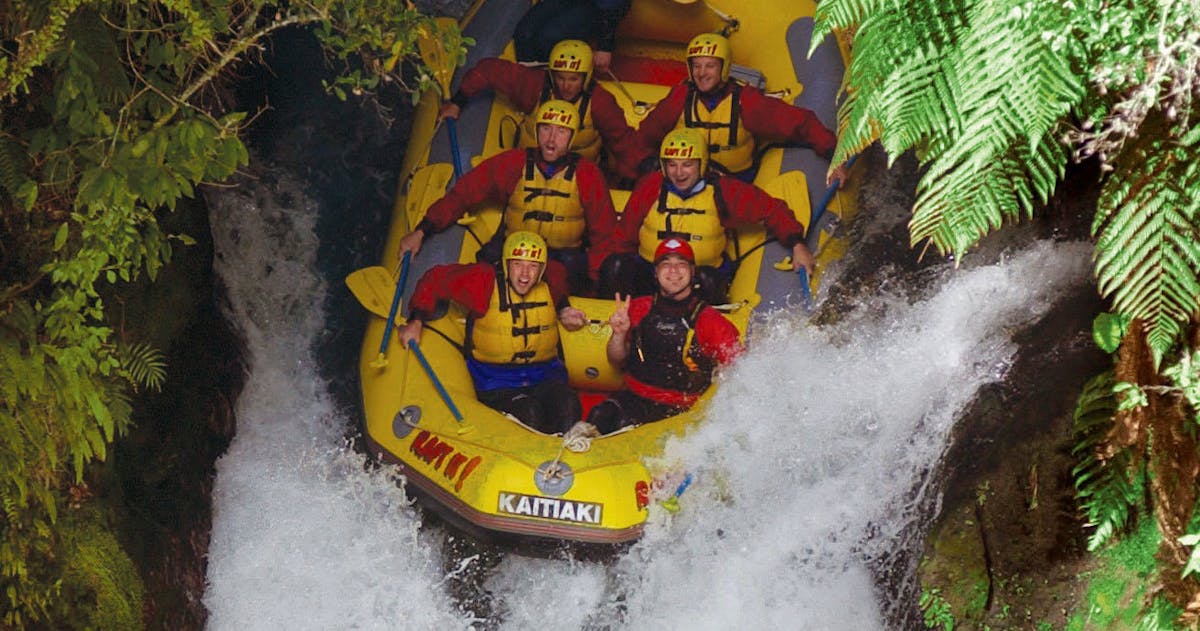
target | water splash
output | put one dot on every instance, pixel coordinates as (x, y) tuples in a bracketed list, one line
[(814, 465)]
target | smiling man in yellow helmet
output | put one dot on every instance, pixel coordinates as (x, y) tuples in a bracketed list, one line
[(548, 190), (688, 201), (734, 118), (569, 76), (511, 345)]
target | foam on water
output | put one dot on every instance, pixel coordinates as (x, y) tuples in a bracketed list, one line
[(813, 465)]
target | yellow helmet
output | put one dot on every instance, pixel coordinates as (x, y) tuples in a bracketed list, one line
[(685, 143), (711, 45), (557, 112), (523, 245), (572, 55)]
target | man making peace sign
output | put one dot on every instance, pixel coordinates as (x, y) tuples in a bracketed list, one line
[(669, 344)]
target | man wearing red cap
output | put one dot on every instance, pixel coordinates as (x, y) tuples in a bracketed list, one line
[(669, 345)]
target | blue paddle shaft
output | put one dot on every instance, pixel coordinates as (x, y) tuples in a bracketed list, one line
[(829, 193), (805, 289), (387, 334), (437, 383), (452, 131)]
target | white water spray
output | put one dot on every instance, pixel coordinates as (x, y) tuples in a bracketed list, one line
[(813, 463)]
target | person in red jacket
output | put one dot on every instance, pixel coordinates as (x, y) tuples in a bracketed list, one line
[(734, 118), (690, 202), (669, 345), (556, 194), (568, 77), (511, 346)]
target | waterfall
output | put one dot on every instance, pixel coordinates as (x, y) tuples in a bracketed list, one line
[(813, 465)]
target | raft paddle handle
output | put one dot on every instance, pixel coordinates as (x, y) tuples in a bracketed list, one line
[(381, 361), (828, 197), (437, 383), (452, 131)]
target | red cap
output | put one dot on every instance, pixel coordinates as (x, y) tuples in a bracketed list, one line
[(674, 245)]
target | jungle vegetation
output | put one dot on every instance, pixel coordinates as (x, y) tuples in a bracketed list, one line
[(110, 113), (995, 98)]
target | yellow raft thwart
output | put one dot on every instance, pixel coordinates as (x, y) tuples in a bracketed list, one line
[(489, 474)]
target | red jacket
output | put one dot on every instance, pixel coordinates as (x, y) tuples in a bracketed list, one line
[(769, 119), (745, 203), (470, 285), (494, 180), (716, 338), (524, 86)]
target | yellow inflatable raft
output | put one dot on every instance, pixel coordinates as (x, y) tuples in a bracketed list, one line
[(483, 471)]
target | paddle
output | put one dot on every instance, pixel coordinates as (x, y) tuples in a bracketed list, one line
[(381, 360), (369, 285), (452, 130), (437, 383), (372, 286), (829, 193), (431, 45), (639, 107), (815, 230)]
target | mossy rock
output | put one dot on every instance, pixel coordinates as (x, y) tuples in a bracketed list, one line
[(101, 588), (956, 566)]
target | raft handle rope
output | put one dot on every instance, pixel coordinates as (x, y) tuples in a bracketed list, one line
[(578, 440)]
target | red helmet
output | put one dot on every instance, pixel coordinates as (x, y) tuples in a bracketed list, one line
[(674, 245)]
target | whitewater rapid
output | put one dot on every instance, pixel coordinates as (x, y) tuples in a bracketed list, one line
[(814, 464)]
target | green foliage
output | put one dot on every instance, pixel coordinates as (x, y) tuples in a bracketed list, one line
[(986, 93), (111, 114), (1160, 616), (935, 610), (1109, 490), (100, 587), (144, 364), (1116, 588), (1108, 329), (1147, 252)]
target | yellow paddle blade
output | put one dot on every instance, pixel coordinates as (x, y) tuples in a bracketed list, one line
[(427, 186), (374, 288), (433, 48), (792, 188)]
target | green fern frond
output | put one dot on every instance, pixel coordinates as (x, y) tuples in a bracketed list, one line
[(841, 14), (976, 193), (1148, 236), (144, 365), (93, 44), (14, 165), (1109, 491)]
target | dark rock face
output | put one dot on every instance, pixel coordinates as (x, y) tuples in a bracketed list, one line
[(1007, 549), (164, 467)]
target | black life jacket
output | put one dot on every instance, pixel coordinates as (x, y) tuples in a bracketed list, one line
[(663, 352)]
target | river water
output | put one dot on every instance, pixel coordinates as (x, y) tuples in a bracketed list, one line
[(813, 472)]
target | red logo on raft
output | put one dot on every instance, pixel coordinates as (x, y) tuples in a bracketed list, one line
[(427, 447), (642, 491)]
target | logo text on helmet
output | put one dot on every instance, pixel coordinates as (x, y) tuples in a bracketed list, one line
[(681, 153), (556, 116), (525, 250), (703, 50), (567, 65)]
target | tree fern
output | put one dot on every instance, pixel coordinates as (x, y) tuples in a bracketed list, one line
[(1109, 489), (1148, 235), (144, 365)]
